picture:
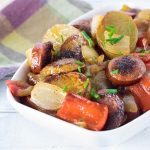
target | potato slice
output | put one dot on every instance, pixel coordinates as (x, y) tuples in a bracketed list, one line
[(89, 54), (73, 82), (96, 21), (60, 66), (118, 49), (77, 47), (47, 96), (58, 34), (34, 78), (124, 26), (144, 14), (71, 48)]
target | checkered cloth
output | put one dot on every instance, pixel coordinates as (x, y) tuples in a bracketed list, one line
[(24, 22)]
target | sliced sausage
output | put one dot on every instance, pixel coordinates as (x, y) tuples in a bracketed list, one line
[(125, 70), (116, 111), (41, 56)]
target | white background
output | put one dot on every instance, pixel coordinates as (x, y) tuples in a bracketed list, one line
[(17, 133)]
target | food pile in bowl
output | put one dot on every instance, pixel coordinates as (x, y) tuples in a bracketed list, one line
[(93, 73)]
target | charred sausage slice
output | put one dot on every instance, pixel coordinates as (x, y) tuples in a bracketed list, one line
[(116, 111), (125, 70), (41, 56)]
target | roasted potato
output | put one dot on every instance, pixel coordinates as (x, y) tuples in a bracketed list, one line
[(71, 48), (144, 14), (58, 34), (34, 78), (77, 47), (71, 82), (118, 49), (89, 54), (61, 66), (96, 21), (28, 102), (116, 111), (120, 22), (142, 26), (125, 70), (39, 56), (47, 97)]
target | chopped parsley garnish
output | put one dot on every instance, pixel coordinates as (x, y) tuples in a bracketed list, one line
[(113, 41), (115, 71), (86, 84), (112, 91), (80, 63), (111, 31), (89, 40), (93, 94), (79, 69), (62, 38), (65, 88)]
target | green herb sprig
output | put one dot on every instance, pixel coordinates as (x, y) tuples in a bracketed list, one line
[(79, 69), (115, 71), (65, 88), (80, 65), (94, 94), (86, 84), (89, 40), (112, 30), (113, 41), (111, 91)]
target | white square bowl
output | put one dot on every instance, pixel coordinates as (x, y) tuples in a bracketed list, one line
[(78, 134)]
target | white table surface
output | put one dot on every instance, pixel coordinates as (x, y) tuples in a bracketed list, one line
[(17, 133)]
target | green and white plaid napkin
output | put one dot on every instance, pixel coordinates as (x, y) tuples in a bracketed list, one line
[(24, 22)]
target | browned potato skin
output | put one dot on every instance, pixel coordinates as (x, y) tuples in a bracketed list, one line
[(116, 111), (131, 70), (61, 66), (41, 56), (71, 48), (34, 78), (74, 82), (84, 25), (132, 110)]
